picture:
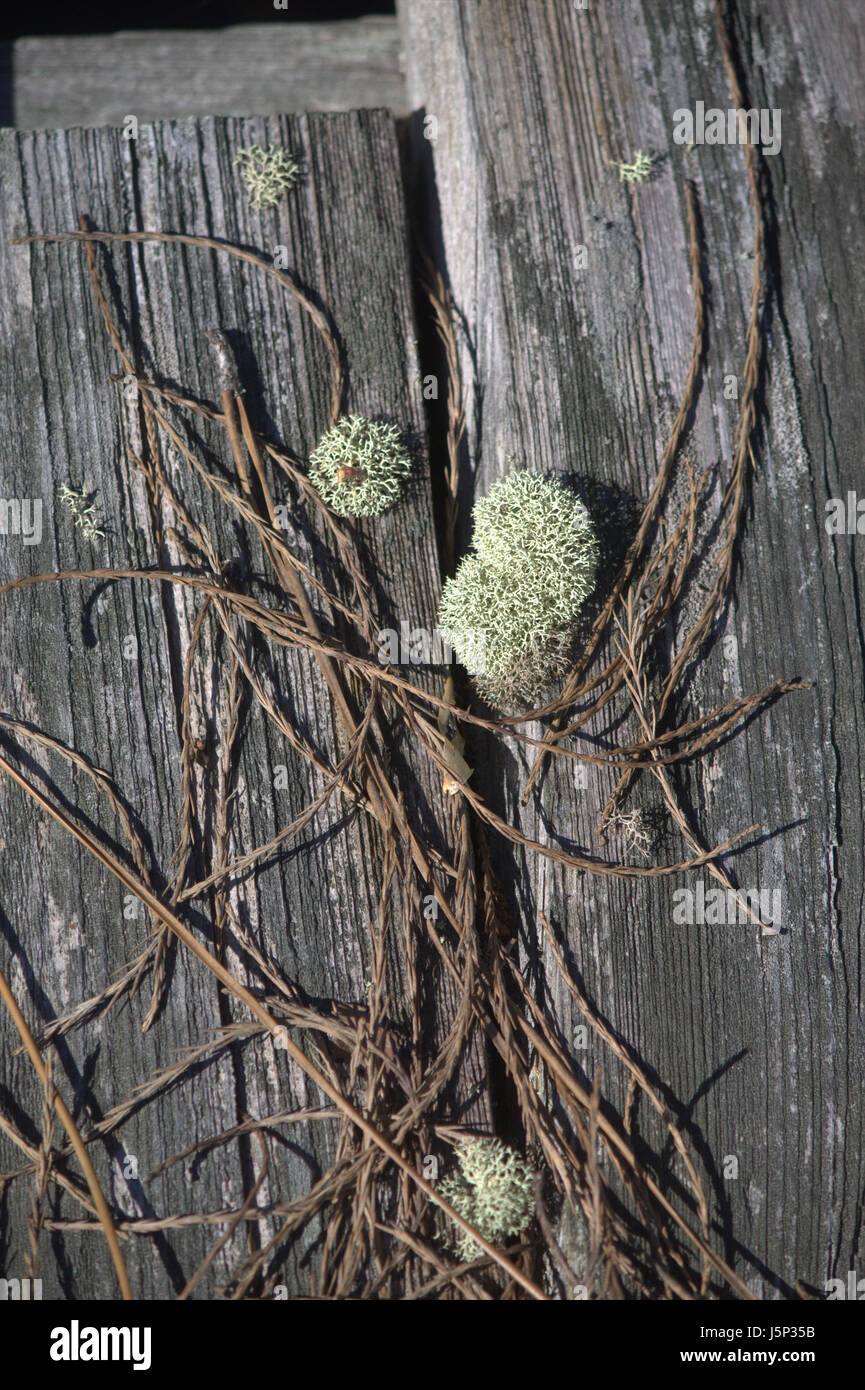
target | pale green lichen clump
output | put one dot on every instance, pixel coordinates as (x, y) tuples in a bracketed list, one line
[(493, 1190), (510, 608), (84, 515), (359, 466), (637, 171), (267, 173)]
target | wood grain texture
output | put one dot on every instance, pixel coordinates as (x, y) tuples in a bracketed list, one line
[(64, 670), (578, 367), (244, 70)]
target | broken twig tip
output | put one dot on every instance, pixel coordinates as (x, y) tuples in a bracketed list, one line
[(228, 378)]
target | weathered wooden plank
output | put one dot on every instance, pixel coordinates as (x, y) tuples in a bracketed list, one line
[(244, 70), (309, 906), (578, 327)]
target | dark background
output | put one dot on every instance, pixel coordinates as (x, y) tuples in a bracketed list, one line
[(22, 20)]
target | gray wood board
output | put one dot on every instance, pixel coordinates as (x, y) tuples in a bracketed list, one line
[(757, 1044), (64, 670), (248, 69)]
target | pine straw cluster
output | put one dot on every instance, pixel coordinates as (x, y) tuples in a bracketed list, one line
[(381, 1085)]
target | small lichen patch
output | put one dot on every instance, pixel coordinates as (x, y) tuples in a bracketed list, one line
[(268, 174), (493, 1190), (359, 466), (637, 171), (84, 514)]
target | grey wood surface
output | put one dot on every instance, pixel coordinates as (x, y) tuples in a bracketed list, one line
[(248, 69), (578, 368), (63, 667)]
